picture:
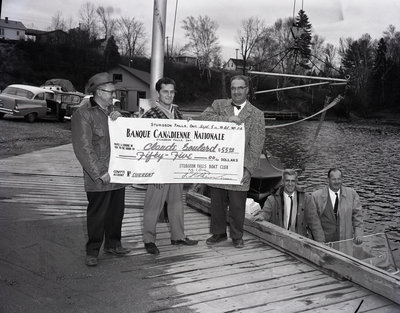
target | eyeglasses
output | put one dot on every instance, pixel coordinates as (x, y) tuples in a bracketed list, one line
[(240, 88), (109, 91)]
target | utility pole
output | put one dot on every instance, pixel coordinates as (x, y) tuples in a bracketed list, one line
[(167, 49), (157, 49), (237, 53)]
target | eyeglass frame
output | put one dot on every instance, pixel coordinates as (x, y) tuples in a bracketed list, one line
[(240, 88)]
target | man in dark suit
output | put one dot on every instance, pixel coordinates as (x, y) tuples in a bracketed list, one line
[(236, 110), (292, 209)]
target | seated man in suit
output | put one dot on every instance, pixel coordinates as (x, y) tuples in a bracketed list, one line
[(292, 209)]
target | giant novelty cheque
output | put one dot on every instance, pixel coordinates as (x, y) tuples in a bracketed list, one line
[(145, 151)]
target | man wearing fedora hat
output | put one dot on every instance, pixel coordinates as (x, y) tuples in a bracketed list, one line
[(91, 143)]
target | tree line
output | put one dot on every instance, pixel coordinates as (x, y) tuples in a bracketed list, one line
[(287, 46)]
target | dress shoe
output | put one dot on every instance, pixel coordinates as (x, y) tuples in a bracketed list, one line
[(91, 260), (186, 242), (216, 238), (117, 251), (238, 243), (151, 248)]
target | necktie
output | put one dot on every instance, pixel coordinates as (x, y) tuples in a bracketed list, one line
[(335, 208), (236, 106), (290, 212)]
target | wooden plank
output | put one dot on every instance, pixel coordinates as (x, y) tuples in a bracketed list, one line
[(345, 266), (267, 299), (329, 302), (204, 289)]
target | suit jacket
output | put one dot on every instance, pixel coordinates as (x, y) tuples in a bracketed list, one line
[(349, 211), (308, 223), (254, 124)]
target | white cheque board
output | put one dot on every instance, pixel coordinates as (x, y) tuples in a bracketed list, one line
[(145, 151)]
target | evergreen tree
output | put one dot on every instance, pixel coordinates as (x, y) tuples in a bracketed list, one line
[(303, 42), (111, 54), (379, 72)]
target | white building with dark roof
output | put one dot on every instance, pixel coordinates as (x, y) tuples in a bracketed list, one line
[(11, 30)]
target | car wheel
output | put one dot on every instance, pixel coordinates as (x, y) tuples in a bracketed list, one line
[(30, 118), (2, 115)]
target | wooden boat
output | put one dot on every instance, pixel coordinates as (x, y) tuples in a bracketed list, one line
[(326, 258)]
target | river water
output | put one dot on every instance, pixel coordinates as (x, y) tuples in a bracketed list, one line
[(367, 154)]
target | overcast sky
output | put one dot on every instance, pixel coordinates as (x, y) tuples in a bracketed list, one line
[(331, 19)]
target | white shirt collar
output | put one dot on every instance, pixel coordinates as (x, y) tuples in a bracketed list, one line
[(333, 193)]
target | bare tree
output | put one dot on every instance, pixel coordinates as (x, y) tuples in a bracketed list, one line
[(132, 36), (108, 23), (317, 53), (392, 39), (330, 56), (273, 51), (88, 19), (248, 37), (203, 41), (58, 22)]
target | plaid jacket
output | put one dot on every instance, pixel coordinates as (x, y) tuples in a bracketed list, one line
[(155, 112)]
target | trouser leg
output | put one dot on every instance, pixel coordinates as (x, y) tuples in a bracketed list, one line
[(113, 219), (153, 204), (96, 212), (219, 202), (176, 211), (237, 209)]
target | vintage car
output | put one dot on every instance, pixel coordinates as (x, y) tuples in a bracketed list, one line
[(30, 102), (65, 94), (68, 100)]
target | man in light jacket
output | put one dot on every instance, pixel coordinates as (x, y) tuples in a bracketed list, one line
[(292, 208), (339, 209)]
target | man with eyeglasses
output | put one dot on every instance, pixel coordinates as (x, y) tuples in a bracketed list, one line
[(91, 143), (236, 110), (158, 194)]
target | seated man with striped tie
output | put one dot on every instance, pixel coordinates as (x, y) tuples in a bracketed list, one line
[(293, 209), (339, 209)]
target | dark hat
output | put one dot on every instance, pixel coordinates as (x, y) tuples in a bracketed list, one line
[(97, 80)]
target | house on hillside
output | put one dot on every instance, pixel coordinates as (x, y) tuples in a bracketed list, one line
[(31, 34), (187, 59), (11, 30), (54, 37), (131, 85), (237, 65)]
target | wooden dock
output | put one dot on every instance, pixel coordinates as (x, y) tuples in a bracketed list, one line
[(47, 185)]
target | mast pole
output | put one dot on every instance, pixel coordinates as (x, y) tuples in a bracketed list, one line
[(157, 49)]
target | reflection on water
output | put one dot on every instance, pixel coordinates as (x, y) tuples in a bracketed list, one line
[(368, 156)]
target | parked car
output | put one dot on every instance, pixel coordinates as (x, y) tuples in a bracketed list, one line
[(68, 101), (65, 94), (30, 102)]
